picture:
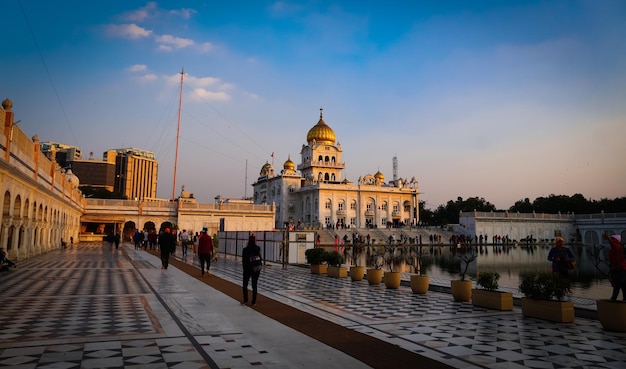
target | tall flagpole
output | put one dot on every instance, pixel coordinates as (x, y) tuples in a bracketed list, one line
[(180, 106)]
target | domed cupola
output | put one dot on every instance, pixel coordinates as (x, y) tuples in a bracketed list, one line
[(321, 132), (379, 176), (266, 170), (289, 165)]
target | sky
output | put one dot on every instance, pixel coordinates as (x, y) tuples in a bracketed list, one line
[(502, 100)]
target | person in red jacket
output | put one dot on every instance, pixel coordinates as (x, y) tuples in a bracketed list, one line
[(617, 265), (205, 250)]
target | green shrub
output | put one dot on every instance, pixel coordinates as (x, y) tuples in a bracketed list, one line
[(315, 256), (488, 280), (544, 286), (334, 258)]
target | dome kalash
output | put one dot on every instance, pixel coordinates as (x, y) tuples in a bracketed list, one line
[(289, 164), (321, 133)]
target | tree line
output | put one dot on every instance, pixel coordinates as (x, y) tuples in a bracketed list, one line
[(449, 213)]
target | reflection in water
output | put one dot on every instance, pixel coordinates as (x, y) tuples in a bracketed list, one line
[(512, 261)]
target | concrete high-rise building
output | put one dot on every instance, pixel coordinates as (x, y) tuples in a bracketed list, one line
[(95, 173), (61, 153), (320, 196), (135, 172)]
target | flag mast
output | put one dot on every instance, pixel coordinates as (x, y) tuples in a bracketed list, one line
[(180, 105)]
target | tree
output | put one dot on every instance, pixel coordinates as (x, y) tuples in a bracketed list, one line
[(100, 193), (522, 206), (426, 215), (449, 214)]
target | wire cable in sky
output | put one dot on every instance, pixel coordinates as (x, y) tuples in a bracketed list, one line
[(230, 122), (45, 67)]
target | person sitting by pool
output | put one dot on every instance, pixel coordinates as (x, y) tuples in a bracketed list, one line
[(5, 263)]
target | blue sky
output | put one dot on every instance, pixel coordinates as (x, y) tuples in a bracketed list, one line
[(496, 99)]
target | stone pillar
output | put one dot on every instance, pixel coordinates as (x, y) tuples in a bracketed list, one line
[(15, 242), (28, 238), (6, 224)]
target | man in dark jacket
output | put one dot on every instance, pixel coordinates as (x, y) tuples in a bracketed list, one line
[(251, 258), (166, 243)]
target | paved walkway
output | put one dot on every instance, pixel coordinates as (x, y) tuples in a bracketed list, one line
[(92, 307)]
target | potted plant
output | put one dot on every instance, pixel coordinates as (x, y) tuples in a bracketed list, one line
[(488, 296), (611, 312), (461, 288), (357, 272), (375, 274), (392, 255), (334, 261), (316, 257), (543, 299), (419, 281)]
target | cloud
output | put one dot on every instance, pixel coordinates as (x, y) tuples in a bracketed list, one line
[(138, 68), (141, 14), (184, 13), (201, 81), (131, 31), (176, 42), (148, 77), (205, 94), (205, 47)]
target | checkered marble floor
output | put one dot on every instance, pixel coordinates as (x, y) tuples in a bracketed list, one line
[(436, 326), (91, 307), (85, 307)]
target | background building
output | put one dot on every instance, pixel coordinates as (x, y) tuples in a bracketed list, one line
[(319, 196), (61, 153), (135, 172)]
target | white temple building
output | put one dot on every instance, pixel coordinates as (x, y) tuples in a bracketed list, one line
[(315, 194)]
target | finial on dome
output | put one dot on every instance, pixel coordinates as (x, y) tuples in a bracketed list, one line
[(321, 111)]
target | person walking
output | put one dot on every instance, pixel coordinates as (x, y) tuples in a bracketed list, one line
[(617, 266), (205, 250), (252, 261), (562, 259), (117, 240), (184, 240), (166, 243)]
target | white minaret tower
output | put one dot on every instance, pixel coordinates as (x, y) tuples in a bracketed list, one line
[(395, 168)]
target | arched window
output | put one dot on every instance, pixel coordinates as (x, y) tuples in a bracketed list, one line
[(326, 177)]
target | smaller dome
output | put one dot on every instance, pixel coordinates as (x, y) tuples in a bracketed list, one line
[(7, 104), (265, 169), (289, 165), (72, 178), (379, 176)]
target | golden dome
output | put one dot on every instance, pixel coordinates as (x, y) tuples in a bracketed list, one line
[(321, 132), (379, 176), (265, 169), (289, 165)]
